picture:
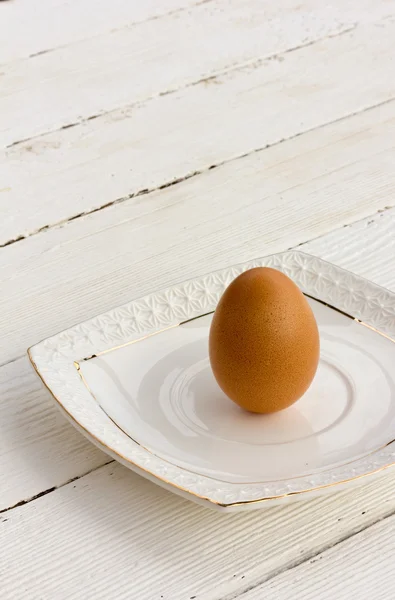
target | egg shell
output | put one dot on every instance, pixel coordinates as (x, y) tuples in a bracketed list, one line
[(264, 343)]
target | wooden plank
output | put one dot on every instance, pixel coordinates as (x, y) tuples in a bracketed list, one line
[(113, 534), (360, 567), (69, 172), (375, 261), (60, 22), (265, 202), (126, 66), (39, 449)]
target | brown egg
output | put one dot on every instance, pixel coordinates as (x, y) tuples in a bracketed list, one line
[(264, 343)]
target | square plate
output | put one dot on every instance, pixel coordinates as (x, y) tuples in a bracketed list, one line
[(137, 382)]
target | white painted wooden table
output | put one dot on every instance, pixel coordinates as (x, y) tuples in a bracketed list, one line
[(143, 143)]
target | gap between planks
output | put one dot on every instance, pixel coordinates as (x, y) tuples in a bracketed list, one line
[(230, 38), (72, 172), (76, 23), (136, 525), (252, 63), (191, 175), (306, 558), (53, 488), (309, 559), (169, 13)]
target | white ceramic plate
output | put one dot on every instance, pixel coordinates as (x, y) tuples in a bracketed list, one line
[(137, 382)]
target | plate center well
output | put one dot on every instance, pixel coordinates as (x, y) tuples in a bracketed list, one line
[(196, 400)]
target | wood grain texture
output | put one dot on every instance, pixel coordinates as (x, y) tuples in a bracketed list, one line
[(28, 28), (114, 535), (367, 247), (265, 202), (152, 93), (58, 176), (361, 567), (38, 447), (129, 65)]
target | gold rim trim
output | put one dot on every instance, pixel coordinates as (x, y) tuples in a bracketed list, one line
[(145, 337), (375, 330), (86, 384), (170, 483), (329, 306)]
